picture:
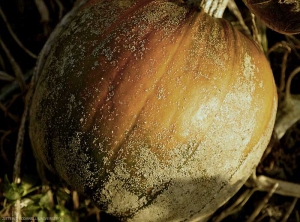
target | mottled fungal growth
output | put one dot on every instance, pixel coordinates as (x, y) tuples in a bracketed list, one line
[(157, 111)]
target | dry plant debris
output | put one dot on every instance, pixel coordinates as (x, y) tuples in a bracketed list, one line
[(270, 194)]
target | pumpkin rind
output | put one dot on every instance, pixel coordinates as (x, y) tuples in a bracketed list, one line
[(157, 111), (282, 16)]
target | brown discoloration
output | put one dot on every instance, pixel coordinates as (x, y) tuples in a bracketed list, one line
[(162, 116)]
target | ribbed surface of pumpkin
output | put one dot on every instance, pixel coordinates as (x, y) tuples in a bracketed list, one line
[(156, 110)]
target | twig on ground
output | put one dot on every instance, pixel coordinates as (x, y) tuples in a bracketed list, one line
[(7, 91), (6, 77), (290, 210), (232, 7), (12, 33), (264, 183), (15, 66), (295, 43), (75, 199), (289, 82), (287, 48), (262, 203), (236, 206), (95, 211), (18, 160), (289, 109), (61, 9), (7, 113), (2, 151), (43, 10), (44, 14)]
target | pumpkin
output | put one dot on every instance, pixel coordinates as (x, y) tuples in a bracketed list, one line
[(154, 109), (282, 16)]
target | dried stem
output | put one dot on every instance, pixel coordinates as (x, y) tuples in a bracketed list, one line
[(259, 33), (264, 183), (75, 198), (7, 91), (15, 66), (214, 8), (61, 8), (17, 211), (12, 33), (283, 63), (18, 160), (255, 30), (289, 112), (292, 40), (236, 12), (236, 206), (10, 115), (2, 152), (19, 148), (289, 211), (289, 82), (95, 211), (262, 204), (283, 68), (6, 77), (43, 10)]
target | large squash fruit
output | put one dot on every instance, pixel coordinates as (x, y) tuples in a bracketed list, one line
[(154, 109)]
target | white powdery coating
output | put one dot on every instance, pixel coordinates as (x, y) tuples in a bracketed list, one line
[(145, 181), (191, 185)]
